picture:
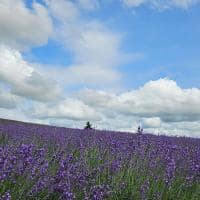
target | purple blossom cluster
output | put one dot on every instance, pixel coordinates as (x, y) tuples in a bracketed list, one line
[(43, 162)]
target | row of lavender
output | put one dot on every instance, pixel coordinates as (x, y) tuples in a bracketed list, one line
[(41, 162)]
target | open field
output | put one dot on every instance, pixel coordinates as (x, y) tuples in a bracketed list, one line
[(43, 162)]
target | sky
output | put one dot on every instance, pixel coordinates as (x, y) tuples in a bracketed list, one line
[(115, 63)]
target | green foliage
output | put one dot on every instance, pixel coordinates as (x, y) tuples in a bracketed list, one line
[(4, 138)]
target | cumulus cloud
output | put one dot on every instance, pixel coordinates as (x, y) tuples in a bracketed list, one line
[(62, 10), (23, 79), (96, 98), (8, 100), (88, 4), (96, 50), (89, 45), (153, 122), (161, 4), (22, 27), (78, 74), (68, 109), (93, 62), (162, 98)]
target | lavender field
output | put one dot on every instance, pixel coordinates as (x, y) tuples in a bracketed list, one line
[(42, 162)]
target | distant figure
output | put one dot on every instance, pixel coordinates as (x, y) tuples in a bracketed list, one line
[(88, 126), (140, 130)]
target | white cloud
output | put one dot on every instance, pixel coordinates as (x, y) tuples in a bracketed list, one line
[(95, 44), (96, 50), (183, 3), (96, 98), (21, 27), (134, 3), (19, 115), (23, 79), (162, 98), (88, 4), (14, 114), (87, 74), (8, 100), (62, 10), (189, 129), (161, 4), (153, 122), (68, 109)]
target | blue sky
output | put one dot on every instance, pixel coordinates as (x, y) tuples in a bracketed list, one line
[(168, 42), (114, 63)]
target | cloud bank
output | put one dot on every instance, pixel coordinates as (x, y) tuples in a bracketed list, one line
[(162, 98), (161, 4)]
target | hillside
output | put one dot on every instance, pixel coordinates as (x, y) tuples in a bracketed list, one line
[(48, 162)]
